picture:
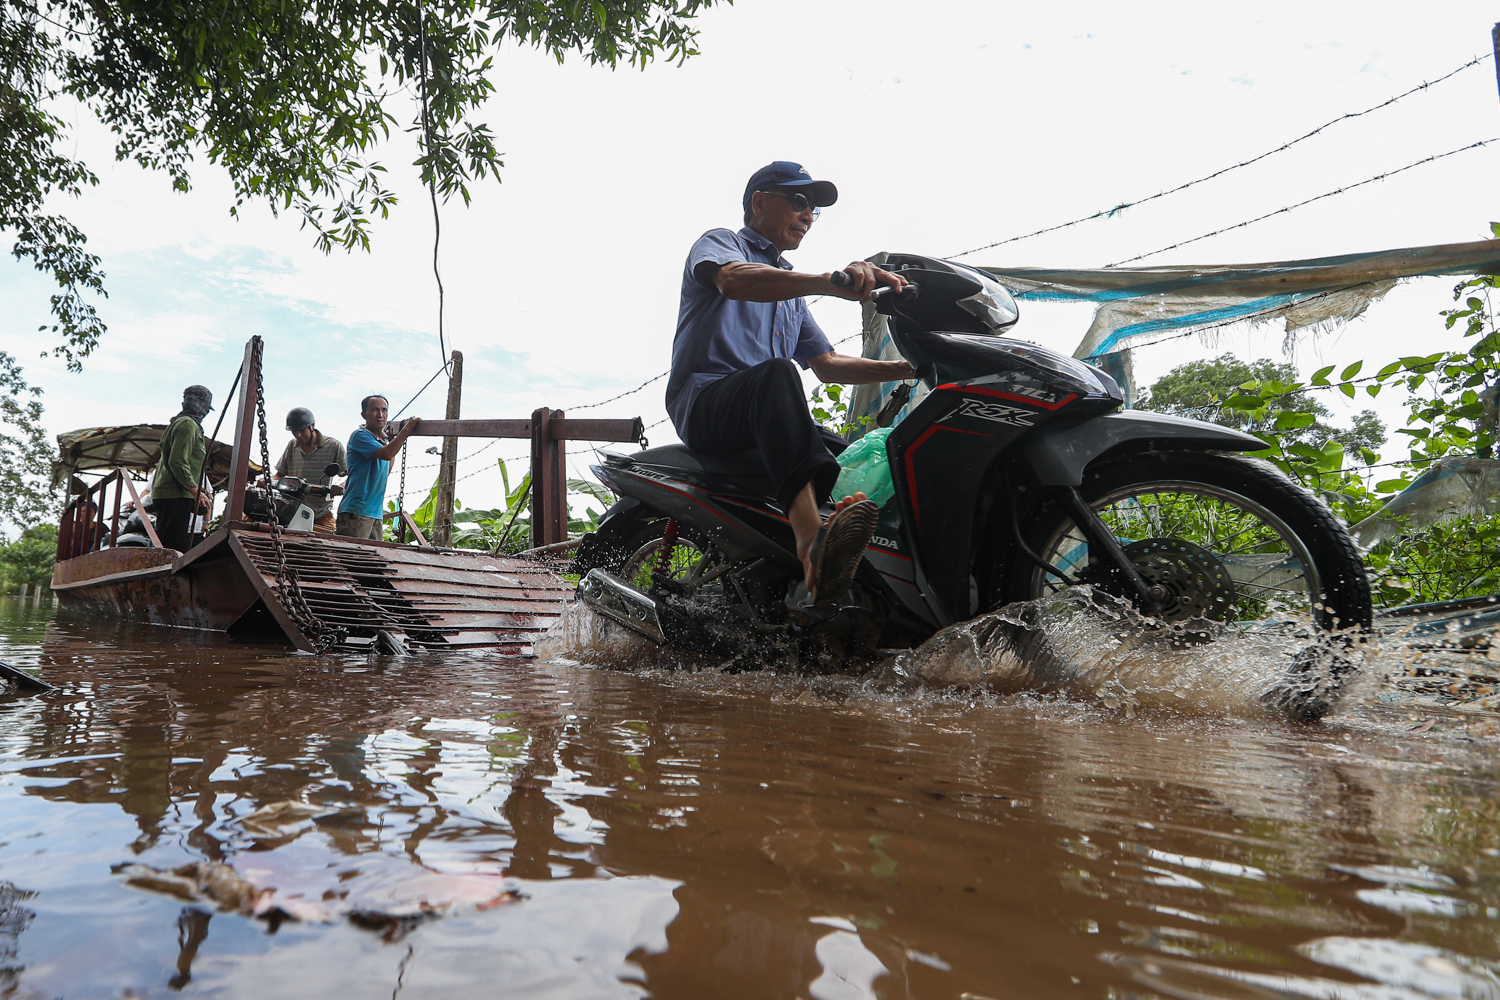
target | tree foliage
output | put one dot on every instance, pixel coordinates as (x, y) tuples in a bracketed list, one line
[(291, 97), (1200, 389), (26, 494), (29, 559)]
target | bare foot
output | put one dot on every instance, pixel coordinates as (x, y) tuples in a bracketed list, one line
[(804, 551)]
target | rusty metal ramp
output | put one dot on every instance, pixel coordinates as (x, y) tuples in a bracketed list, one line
[(431, 599)]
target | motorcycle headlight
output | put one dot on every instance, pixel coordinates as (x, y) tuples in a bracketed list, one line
[(1071, 369), (992, 304)]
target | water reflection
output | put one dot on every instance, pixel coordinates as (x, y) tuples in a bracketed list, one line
[(457, 827)]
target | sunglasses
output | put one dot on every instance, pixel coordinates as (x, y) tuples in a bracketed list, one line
[(799, 201)]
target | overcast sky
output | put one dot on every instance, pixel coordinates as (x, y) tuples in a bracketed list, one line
[(946, 126)]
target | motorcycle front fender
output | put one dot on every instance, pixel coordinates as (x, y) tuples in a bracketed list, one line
[(1059, 454)]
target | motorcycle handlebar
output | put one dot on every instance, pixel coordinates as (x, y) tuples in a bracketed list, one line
[(838, 279)]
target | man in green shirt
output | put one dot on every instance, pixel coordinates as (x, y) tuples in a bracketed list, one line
[(175, 487)]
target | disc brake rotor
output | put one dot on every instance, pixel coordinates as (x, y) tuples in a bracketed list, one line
[(1197, 584)]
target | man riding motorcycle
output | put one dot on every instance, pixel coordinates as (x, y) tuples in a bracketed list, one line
[(741, 324)]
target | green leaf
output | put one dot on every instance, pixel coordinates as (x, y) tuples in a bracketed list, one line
[(1373, 390), (1392, 485), (1243, 402), (1304, 450), (1320, 377), (1332, 458), (1347, 390), (1351, 371), (1288, 420), (1388, 370)]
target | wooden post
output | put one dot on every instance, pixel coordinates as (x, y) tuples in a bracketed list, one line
[(244, 433), (442, 518), (549, 480)]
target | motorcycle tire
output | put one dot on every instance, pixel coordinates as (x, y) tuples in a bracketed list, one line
[(618, 547), (1336, 594)]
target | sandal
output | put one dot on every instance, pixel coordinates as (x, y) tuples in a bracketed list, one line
[(838, 549)]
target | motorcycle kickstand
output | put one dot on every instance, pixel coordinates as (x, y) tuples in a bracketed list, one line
[(1088, 520)]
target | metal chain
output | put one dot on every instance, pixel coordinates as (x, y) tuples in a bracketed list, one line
[(322, 636), (401, 499)]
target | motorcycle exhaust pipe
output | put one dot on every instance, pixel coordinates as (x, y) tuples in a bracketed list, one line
[(622, 603)]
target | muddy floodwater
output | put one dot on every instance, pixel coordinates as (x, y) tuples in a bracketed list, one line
[(188, 815)]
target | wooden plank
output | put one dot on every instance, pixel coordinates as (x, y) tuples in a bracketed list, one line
[(474, 428), (489, 619), (408, 522), (593, 429), (145, 518)]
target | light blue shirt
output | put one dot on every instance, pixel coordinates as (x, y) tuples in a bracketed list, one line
[(364, 492), (718, 336)]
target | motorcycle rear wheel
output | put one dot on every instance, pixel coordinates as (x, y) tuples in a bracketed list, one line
[(634, 554), (1230, 538)]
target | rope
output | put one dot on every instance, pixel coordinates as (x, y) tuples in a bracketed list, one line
[(431, 171), (421, 390), (1110, 212)]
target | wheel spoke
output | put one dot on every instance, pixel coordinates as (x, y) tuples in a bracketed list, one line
[(1235, 540)]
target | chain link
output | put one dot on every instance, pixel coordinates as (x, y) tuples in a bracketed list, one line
[(322, 636)]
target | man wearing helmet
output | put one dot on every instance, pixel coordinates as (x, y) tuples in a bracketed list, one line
[(306, 456)]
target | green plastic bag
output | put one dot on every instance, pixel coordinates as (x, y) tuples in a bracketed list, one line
[(866, 469)]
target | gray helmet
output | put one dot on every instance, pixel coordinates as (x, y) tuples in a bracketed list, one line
[(299, 417)]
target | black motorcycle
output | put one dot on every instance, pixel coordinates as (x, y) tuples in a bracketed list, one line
[(1019, 474), (286, 498)]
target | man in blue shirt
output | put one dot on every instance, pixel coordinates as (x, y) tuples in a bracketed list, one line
[(369, 465), (742, 328)]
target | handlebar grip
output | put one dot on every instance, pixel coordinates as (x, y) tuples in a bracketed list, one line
[(838, 279), (906, 293)]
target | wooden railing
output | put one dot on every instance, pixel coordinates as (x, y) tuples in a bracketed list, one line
[(92, 521)]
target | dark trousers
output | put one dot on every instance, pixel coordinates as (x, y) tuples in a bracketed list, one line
[(763, 407), (174, 521)]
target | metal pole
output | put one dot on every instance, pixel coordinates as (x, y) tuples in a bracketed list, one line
[(1495, 39), (244, 434), (442, 518)]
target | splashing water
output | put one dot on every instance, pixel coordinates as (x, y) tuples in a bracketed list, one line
[(1086, 645), (1089, 645)]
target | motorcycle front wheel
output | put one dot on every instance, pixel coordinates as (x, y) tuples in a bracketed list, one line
[(1224, 537)]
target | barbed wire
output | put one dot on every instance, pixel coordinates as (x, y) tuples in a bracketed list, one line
[(1110, 212), (628, 392), (1327, 194)]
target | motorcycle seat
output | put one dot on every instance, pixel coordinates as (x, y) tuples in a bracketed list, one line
[(742, 468)]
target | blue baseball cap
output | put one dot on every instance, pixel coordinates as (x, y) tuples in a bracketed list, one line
[(786, 174)]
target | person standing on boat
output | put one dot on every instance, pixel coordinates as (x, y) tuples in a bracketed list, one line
[(369, 465), (306, 456), (175, 494)]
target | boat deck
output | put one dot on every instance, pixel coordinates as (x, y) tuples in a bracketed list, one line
[(431, 599)]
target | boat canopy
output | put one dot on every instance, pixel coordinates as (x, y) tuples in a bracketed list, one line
[(135, 448)]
